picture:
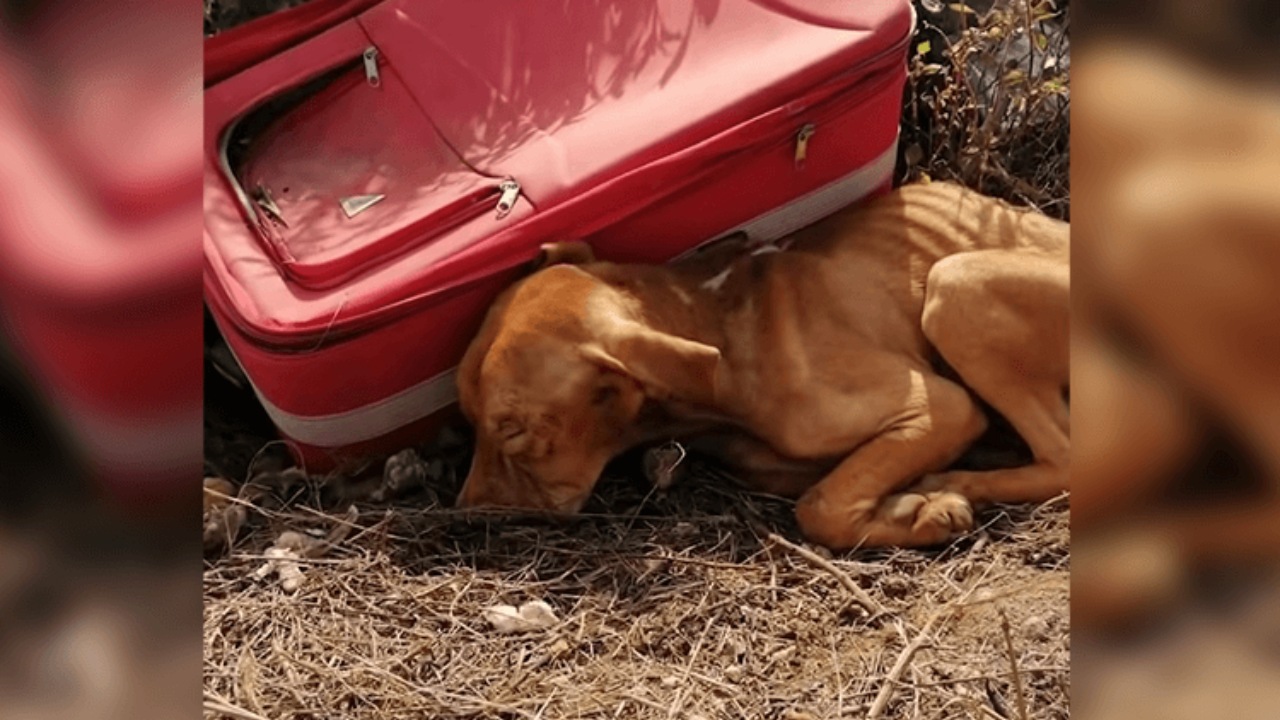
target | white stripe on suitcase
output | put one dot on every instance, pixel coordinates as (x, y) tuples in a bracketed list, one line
[(370, 421), (430, 396), (818, 204)]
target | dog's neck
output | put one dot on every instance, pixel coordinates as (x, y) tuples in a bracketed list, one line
[(686, 300), (672, 421)]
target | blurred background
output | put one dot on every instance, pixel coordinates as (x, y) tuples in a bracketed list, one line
[(1176, 438), (100, 127), (1176, 514)]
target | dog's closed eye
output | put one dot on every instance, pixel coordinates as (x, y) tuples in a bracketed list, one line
[(508, 428), (604, 395), (513, 436)]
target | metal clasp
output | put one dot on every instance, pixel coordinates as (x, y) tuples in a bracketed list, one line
[(371, 66), (507, 201), (802, 144)]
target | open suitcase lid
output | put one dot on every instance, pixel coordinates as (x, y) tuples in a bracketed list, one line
[(418, 129)]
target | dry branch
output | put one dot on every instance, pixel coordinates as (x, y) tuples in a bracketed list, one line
[(1013, 667), (859, 595)]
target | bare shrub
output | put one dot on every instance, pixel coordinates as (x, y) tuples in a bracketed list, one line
[(987, 102)]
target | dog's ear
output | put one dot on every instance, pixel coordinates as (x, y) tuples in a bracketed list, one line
[(574, 252), (668, 367)]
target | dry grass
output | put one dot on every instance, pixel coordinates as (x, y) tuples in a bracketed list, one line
[(672, 605)]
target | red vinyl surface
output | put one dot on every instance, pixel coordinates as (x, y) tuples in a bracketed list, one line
[(646, 128)]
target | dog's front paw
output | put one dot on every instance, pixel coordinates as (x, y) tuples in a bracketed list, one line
[(944, 513), (933, 517)]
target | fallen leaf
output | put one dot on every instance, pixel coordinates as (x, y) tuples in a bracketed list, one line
[(539, 614), (660, 464), (282, 562), (290, 547), (402, 471), (223, 518), (301, 544), (218, 492)]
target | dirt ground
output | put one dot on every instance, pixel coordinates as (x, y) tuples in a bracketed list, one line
[(671, 604), (675, 604), (661, 614)]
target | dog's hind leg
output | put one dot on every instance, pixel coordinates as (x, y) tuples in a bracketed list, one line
[(1001, 319), (858, 503)]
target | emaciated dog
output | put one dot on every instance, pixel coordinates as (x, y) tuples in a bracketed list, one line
[(807, 371)]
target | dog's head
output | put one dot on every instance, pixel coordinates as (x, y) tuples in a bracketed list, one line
[(554, 382)]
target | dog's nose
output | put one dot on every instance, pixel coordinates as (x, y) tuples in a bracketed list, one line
[(479, 491)]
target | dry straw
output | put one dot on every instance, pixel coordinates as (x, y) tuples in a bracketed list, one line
[(677, 606)]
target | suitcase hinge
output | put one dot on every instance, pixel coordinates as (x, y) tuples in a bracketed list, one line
[(802, 144), (507, 200), (371, 66)]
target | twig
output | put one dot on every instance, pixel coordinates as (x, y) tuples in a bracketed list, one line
[(895, 673), (248, 473), (899, 666), (986, 711), (1013, 666), (678, 703), (213, 703), (859, 595), (1036, 670)]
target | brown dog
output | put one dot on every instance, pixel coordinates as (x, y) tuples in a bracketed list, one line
[(808, 370)]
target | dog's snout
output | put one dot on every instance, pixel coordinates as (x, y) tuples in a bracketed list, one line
[(467, 497), (472, 494), (486, 489), (477, 489)]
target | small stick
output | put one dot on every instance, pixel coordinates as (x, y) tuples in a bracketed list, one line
[(678, 702), (859, 595), (895, 673), (986, 711), (213, 704), (900, 666), (1013, 666)]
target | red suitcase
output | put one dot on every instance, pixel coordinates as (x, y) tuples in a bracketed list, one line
[(371, 187)]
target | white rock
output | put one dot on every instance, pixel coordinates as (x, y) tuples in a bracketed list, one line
[(536, 615), (504, 618)]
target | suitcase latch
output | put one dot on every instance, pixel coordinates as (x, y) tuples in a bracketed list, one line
[(262, 196), (802, 144), (371, 66), (507, 200)]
